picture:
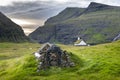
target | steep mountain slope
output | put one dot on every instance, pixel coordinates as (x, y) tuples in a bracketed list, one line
[(66, 14), (9, 31), (96, 24)]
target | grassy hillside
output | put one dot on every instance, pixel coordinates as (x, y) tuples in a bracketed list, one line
[(97, 27), (96, 24), (66, 14), (99, 62)]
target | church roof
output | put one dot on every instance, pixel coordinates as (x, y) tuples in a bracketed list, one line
[(80, 42)]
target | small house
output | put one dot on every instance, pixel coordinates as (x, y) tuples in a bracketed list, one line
[(80, 42)]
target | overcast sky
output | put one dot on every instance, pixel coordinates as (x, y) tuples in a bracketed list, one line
[(30, 14), (73, 2)]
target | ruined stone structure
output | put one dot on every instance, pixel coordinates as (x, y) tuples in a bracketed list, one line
[(51, 55)]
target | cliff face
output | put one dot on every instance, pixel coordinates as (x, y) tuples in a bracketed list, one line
[(9, 31), (98, 23)]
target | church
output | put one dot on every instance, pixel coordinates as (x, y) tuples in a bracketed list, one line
[(80, 42)]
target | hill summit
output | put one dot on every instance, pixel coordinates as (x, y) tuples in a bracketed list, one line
[(98, 23), (9, 31)]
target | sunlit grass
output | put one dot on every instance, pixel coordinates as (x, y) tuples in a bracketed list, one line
[(99, 62)]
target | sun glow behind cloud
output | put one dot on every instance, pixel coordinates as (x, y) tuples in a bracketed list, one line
[(28, 25), (22, 22)]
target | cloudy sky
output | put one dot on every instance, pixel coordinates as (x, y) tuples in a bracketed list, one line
[(30, 14), (75, 2)]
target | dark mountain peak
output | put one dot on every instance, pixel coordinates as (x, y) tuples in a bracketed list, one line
[(0, 12), (9, 31), (2, 15), (3, 18), (97, 7)]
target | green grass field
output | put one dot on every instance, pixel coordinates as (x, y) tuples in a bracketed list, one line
[(100, 62)]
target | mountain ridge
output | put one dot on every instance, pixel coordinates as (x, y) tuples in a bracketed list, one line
[(94, 25)]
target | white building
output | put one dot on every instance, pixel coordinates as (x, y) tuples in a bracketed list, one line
[(80, 42)]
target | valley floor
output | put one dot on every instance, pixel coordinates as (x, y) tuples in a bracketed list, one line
[(100, 62)]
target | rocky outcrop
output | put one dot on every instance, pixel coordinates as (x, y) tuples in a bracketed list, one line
[(9, 31), (51, 55)]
